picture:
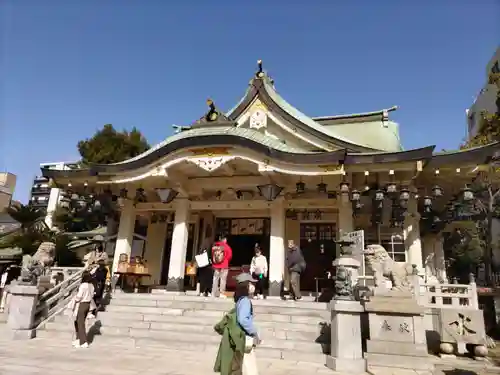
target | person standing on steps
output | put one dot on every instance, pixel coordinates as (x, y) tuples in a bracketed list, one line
[(295, 264), (258, 270), (205, 272), (221, 257), (81, 307)]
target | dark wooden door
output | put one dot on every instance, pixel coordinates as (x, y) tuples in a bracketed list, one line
[(168, 246), (315, 237)]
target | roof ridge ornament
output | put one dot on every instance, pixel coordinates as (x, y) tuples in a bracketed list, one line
[(212, 113), (260, 72)]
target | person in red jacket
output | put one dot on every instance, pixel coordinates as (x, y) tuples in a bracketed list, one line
[(221, 257)]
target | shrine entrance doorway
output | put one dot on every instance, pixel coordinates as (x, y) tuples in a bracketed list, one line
[(317, 242)]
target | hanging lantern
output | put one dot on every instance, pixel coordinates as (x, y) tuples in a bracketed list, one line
[(379, 195), (167, 195), (391, 188), (355, 196), (437, 191), (123, 193), (404, 195), (467, 194), (322, 187), (344, 188), (270, 191), (300, 187)]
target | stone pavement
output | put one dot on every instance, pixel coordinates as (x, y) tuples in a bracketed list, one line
[(47, 356), (54, 357)]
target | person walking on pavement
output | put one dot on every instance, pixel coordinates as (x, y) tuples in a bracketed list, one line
[(295, 264), (81, 306), (221, 257)]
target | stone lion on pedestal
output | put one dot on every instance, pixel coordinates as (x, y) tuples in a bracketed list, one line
[(384, 267), (38, 264)]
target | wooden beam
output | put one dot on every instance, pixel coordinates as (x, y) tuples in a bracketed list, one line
[(256, 204)]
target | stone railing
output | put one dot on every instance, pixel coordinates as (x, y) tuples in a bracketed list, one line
[(447, 295), (54, 300), (31, 306), (59, 274)]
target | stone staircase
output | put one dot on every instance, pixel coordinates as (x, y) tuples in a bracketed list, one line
[(291, 331)]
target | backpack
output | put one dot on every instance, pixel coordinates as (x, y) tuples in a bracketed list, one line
[(217, 254)]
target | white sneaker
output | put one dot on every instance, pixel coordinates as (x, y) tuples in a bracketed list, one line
[(75, 343), (91, 316), (84, 345), (261, 296), (209, 295)]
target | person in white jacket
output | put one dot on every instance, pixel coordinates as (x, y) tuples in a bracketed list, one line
[(258, 270)]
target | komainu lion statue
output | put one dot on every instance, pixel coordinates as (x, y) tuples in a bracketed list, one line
[(38, 264), (383, 266)]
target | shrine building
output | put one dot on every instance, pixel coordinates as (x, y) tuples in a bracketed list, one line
[(264, 172)]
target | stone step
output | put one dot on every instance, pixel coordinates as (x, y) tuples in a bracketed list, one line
[(301, 352), (283, 308), (270, 301), (267, 330), (133, 320), (269, 341), (213, 310), (198, 316)]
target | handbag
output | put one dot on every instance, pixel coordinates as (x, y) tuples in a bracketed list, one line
[(249, 344)]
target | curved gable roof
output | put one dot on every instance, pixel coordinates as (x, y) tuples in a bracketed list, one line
[(262, 87)]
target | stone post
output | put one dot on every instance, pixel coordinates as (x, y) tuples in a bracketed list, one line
[(345, 222), (177, 265), (412, 237), (346, 350), (22, 306), (125, 232)]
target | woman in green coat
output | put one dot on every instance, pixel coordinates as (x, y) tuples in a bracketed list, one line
[(236, 354)]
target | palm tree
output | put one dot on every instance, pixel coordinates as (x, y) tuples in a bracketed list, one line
[(32, 231), (29, 217)]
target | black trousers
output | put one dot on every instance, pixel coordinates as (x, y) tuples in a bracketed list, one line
[(99, 292), (205, 276), (260, 285), (81, 316)]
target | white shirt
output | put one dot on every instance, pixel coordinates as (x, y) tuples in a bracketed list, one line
[(85, 293), (259, 265)]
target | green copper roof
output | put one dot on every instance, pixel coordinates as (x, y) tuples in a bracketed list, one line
[(213, 130)]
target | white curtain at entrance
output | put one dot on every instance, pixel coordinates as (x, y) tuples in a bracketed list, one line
[(277, 242)]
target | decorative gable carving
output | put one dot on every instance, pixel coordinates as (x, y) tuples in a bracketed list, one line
[(210, 163), (258, 119)]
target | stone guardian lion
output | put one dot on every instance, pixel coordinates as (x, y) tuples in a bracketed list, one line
[(383, 266)]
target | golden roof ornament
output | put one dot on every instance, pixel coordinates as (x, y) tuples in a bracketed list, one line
[(212, 114)]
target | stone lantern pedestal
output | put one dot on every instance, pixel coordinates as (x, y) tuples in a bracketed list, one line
[(346, 348), (22, 308), (351, 264)]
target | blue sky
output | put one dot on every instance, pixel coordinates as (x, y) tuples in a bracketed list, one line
[(71, 66)]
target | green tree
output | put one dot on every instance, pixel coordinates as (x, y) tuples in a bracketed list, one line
[(463, 246), (110, 146), (489, 128)]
